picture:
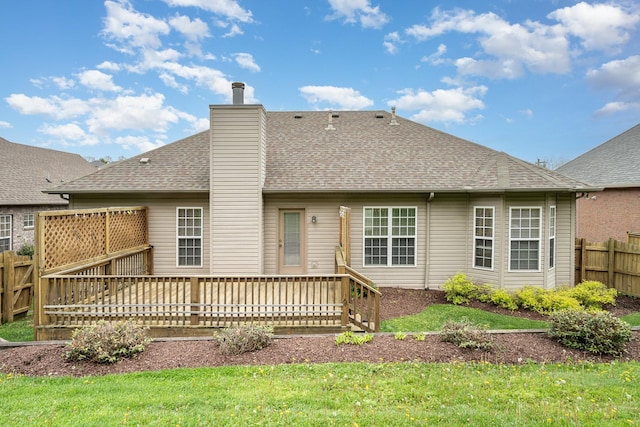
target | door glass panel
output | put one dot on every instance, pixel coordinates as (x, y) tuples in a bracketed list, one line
[(291, 225)]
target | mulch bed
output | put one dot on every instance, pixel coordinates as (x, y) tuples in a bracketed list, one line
[(509, 348)]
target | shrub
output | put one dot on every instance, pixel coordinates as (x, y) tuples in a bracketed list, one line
[(107, 342), (349, 337), (460, 290), (552, 301), (597, 332), (530, 297), (503, 299), (593, 295), (465, 334), (26, 250), (243, 339)]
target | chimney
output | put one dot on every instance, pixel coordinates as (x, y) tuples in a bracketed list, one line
[(238, 93)]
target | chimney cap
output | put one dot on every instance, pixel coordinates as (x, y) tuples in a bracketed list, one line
[(238, 93), (238, 85)]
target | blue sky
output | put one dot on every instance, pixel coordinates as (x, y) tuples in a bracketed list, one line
[(538, 79)]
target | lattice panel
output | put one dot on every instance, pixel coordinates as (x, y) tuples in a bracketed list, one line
[(127, 229), (73, 236)]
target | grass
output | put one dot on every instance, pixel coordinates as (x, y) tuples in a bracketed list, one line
[(434, 316), (21, 329), (348, 394)]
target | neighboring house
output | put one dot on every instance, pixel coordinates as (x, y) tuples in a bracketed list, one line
[(615, 166), (25, 172), (262, 193)]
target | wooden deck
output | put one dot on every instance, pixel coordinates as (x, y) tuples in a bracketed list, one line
[(198, 304)]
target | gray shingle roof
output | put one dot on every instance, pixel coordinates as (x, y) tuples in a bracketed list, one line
[(615, 163), (363, 154), (26, 171)]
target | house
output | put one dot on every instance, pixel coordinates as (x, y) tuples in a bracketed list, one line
[(613, 165), (262, 193), (25, 172)]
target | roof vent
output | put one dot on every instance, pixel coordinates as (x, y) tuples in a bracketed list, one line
[(297, 116), (144, 160), (393, 117), (335, 115), (379, 115), (330, 125)]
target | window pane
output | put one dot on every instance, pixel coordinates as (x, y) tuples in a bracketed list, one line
[(375, 251), (483, 244), (189, 233), (5, 233), (291, 235), (403, 251)]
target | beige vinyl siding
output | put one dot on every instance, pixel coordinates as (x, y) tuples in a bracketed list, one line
[(237, 173), (162, 225), (565, 239), (448, 238)]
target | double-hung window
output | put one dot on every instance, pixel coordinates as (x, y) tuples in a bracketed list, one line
[(483, 237), (552, 236), (189, 237), (27, 221), (390, 236), (5, 233), (524, 239)]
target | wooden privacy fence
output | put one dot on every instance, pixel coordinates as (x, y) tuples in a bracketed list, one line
[(16, 285), (614, 263)]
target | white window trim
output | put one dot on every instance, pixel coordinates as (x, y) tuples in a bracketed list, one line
[(195, 237), (24, 218), (390, 237), (553, 236), (9, 237), (492, 238), (539, 239)]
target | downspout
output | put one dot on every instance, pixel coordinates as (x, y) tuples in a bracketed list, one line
[(427, 234)]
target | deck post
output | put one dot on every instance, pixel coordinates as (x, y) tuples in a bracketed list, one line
[(195, 300), (612, 263), (345, 301)]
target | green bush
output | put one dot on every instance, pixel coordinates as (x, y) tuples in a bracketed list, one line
[(598, 332), (460, 290), (503, 299), (349, 337), (552, 301), (243, 339), (107, 342), (465, 334), (593, 295), (26, 250), (530, 298)]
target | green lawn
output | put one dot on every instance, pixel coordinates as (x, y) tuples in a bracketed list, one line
[(18, 330), (434, 316), (348, 394)]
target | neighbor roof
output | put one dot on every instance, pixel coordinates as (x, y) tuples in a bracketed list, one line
[(365, 153), (614, 163), (26, 171)]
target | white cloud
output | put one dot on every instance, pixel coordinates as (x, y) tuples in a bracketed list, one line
[(342, 97), (131, 112), (132, 29), (441, 105), (63, 82), (621, 76), (109, 66), (199, 125), (510, 47), (192, 30), (528, 113), (245, 60), (354, 11), (229, 9), (5, 125), (391, 42), (234, 30), (436, 57), (140, 143), (599, 26), (95, 79), (69, 132), (54, 106)]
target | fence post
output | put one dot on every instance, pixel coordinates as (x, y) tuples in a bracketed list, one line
[(583, 259), (612, 263), (195, 300), (345, 300), (8, 280)]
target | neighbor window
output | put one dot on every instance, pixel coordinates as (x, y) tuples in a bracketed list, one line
[(552, 236), (5, 233), (483, 237), (28, 220), (189, 236), (524, 239), (389, 236)]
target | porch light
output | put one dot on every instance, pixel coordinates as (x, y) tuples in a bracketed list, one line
[(314, 219)]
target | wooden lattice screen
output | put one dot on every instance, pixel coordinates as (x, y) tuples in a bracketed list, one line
[(71, 236)]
